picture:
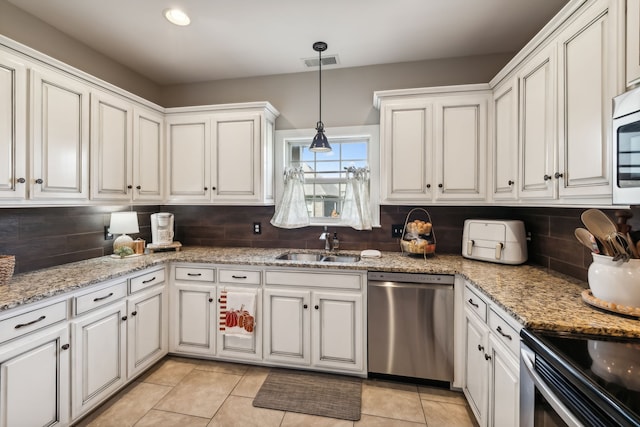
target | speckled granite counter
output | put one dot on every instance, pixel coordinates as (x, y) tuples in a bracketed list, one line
[(536, 298)]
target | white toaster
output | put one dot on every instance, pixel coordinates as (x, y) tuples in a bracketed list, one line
[(500, 241)]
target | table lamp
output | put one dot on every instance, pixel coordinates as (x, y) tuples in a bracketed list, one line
[(123, 223)]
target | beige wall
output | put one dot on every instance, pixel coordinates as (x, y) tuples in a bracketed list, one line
[(347, 94), (31, 31)]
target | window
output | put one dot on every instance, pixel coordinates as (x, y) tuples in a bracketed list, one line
[(326, 173)]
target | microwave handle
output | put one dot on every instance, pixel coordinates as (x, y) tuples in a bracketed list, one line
[(553, 400)]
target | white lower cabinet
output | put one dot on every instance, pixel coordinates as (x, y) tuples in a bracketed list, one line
[(287, 322), (193, 311), (34, 379), (307, 326), (147, 329), (100, 364), (116, 338), (242, 295), (492, 368)]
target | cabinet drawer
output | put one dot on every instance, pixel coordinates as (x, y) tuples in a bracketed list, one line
[(196, 274), (240, 276), (146, 280), (474, 303), (99, 298), (504, 332), (321, 280), (31, 321)]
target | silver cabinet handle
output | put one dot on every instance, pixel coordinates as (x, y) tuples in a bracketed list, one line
[(21, 180), (39, 319), (39, 181)]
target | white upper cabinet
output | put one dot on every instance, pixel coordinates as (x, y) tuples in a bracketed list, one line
[(148, 155), (587, 80), (188, 153), (407, 150), (221, 154), (126, 150), (13, 127), (461, 140), (633, 42), (59, 119), (537, 126), (111, 147), (433, 144), (236, 157), (504, 141)]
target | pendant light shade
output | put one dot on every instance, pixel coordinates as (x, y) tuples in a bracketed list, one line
[(320, 142)]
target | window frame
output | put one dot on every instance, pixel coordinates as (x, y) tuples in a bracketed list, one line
[(371, 133)]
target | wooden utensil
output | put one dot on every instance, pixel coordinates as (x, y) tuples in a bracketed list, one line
[(587, 239)]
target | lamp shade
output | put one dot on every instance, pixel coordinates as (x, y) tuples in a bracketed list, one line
[(320, 143), (124, 223)]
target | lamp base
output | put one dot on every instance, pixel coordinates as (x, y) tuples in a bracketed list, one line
[(123, 240)]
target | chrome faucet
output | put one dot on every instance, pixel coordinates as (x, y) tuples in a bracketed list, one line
[(327, 239)]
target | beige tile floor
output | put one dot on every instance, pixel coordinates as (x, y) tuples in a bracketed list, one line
[(196, 393)]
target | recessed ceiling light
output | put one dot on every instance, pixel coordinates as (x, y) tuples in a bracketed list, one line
[(177, 17)]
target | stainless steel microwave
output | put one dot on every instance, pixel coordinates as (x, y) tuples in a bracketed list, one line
[(626, 148)]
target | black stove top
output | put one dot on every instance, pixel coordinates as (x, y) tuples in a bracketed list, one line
[(605, 369)]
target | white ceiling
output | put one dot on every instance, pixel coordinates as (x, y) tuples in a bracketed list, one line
[(246, 38)]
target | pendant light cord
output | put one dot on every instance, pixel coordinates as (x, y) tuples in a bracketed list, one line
[(320, 84)]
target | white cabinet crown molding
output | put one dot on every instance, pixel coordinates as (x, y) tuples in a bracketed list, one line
[(401, 94)]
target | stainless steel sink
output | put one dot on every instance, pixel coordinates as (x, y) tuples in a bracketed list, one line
[(341, 258), (311, 257), (300, 257)]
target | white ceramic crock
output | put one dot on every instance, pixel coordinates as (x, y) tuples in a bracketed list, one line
[(616, 282)]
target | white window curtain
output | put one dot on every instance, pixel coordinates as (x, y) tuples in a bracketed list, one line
[(292, 212), (356, 209)]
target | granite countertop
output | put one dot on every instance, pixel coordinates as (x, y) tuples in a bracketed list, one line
[(535, 297)]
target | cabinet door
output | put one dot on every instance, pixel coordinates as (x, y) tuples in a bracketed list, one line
[(99, 356), (148, 158), (188, 153), (147, 333), (476, 367), (407, 153), (504, 387), (287, 326), (505, 141), (236, 158), (587, 81), (337, 330), (59, 117), (461, 141), (111, 133), (193, 319), (633, 42), (13, 122), (34, 379), (247, 347), (537, 127)]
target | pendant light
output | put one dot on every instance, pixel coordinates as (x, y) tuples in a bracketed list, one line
[(320, 143)]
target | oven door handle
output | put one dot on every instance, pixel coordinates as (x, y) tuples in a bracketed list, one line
[(548, 394)]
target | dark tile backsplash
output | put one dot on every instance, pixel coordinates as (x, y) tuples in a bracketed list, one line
[(44, 237)]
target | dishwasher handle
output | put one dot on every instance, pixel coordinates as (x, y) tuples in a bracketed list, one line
[(403, 285)]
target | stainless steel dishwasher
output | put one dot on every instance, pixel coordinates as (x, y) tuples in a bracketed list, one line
[(410, 325)]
